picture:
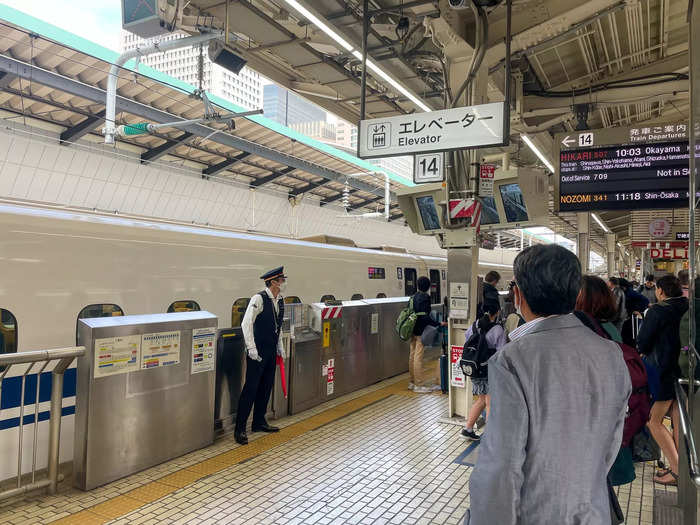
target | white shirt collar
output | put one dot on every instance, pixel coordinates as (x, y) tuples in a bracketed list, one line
[(527, 328)]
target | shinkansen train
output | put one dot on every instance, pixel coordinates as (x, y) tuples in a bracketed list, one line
[(60, 266)]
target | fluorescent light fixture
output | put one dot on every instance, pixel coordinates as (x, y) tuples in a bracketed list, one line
[(537, 152), (320, 24), (357, 54), (400, 88), (600, 223)]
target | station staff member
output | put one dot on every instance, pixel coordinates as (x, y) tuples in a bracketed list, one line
[(262, 324)]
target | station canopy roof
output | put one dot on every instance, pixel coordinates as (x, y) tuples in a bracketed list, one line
[(55, 78), (567, 52)]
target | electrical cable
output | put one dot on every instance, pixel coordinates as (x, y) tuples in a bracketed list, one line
[(648, 80)]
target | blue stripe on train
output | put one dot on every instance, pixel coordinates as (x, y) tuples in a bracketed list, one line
[(12, 389), (29, 419)]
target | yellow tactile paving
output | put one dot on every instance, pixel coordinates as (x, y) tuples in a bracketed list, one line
[(84, 517), (121, 505), (150, 492), (116, 507), (179, 479)]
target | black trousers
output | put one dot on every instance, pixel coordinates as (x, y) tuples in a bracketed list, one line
[(259, 380)]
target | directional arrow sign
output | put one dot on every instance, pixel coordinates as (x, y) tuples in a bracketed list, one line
[(568, 141)]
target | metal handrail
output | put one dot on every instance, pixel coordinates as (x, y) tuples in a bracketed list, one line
[(693, 464), (64, 357)]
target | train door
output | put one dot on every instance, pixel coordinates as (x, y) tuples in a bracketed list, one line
[(410, 279), (434, 286)]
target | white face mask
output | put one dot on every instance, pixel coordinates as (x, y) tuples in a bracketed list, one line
[(283, 287)]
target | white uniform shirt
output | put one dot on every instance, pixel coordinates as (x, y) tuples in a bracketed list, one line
[(255, 308)]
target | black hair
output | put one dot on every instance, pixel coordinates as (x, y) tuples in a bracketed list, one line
[(684, 277), (549, 277), (423, 284), (624, 283), (650, 278), (670, 285), (614, 280), (491, 307), (492, 277)]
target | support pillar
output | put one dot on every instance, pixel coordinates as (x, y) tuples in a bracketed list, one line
[(610, 245), (583, 246)]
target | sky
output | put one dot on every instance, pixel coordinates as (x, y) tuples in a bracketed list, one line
[(96, 20)]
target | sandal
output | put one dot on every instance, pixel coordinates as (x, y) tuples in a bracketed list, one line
[(662, 472), (672, 483)]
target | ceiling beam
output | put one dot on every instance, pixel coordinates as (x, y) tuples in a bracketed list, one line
[(98, 95), (221, 166), (6, 79), (165, 148), (364, 203), (81, 129), (308, 187), (328, 200), (271, 178)]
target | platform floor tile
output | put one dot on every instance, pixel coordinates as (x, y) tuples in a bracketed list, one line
[(381, 456)]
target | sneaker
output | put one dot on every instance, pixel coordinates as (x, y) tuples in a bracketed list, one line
[(471, 434), (411, 386), (422, 390)]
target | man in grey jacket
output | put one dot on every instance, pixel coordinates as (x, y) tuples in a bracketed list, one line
[(558, 401)]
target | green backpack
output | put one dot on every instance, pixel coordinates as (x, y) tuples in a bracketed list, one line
[(407, 321)]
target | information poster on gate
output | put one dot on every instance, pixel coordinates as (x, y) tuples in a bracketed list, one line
[(117, 355), (160, 349), (457, 377), (330, 377), (203, 349)]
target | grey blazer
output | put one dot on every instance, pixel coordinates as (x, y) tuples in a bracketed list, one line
[(558, 402)]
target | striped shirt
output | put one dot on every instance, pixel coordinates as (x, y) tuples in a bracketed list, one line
[(526, 328)]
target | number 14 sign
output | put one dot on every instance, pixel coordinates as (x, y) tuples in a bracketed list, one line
[(428, 167)]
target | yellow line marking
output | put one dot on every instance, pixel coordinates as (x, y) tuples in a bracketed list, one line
[(150, 492)]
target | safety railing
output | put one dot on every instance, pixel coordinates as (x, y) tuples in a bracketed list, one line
[(37, 362), (688, 438)]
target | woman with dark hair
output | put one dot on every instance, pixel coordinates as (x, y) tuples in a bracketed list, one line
[(659, 342), (496, 339), (598, 301)]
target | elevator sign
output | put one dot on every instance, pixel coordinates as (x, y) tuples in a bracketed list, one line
[(457, 128)]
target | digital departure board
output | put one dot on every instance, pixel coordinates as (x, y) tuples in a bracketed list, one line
[(639, 172), (624, 177)]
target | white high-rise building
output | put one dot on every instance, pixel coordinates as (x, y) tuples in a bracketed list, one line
[(244, 89)]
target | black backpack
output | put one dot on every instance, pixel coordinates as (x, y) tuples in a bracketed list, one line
[(476, 352)]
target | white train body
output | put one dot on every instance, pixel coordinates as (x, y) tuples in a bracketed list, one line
[(56, 262)]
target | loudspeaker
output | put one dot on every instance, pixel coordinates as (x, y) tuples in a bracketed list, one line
[(219, 54)]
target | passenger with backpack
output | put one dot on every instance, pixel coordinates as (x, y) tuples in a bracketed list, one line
[(417, 315), (595, 308), (483, 339)]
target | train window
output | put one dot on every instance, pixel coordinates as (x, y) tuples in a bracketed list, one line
[(292, 299), (327, 297), (184, 306), (434, 286), (381, 295), (357, 297), (410, 281), (238, 311), (8, 332), (97, 310)]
